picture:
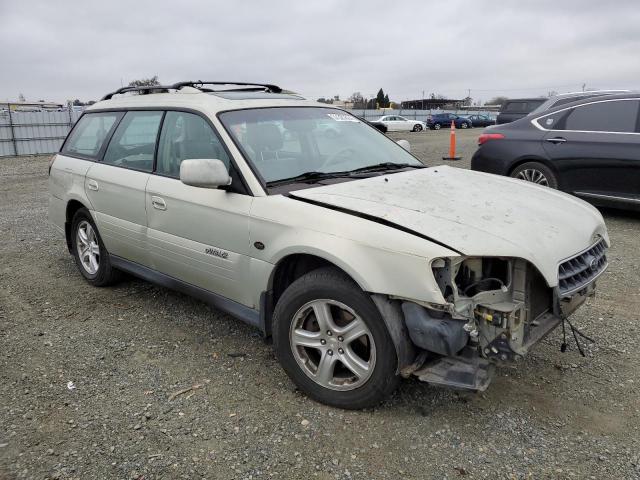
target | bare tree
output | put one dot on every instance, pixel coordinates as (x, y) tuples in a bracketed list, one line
[(145, 82), (499, 100)]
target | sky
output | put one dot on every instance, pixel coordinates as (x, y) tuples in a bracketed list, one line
[(68, 49)]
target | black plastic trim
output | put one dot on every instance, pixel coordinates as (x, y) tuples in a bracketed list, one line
[(373, 219), (242, 312)]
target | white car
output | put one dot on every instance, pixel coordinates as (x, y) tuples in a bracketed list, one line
[(396, 123), (358, 261)]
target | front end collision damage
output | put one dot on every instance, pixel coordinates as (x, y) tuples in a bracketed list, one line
[(495, 310)]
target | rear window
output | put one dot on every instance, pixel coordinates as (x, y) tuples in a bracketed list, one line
[(522, 106), (89, 134)]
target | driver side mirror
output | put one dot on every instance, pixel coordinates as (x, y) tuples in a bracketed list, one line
[(404, 144), (204, 173)]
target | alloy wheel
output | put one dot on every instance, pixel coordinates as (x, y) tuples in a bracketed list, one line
[(332, 345), (88, 247), (534, 176)]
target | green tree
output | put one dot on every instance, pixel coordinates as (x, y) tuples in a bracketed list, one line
[(386, 101), (380, 98)]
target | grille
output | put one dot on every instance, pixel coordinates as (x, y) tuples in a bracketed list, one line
[(577, 272)]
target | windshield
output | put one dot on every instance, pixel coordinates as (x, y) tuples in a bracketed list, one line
[(284, 142)]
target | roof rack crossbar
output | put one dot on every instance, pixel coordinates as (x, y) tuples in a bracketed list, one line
[(269, 87), (146, 89)]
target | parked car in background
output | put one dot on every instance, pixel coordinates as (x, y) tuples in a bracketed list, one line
[(481, 120), (379, 125), (360, 262), (564, 98), (590, 148), (517, 108), (396, 123), (440, 120)]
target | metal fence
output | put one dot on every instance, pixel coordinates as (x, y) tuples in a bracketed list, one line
[(34, 133)]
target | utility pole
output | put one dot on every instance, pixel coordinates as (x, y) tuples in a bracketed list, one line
[(584, 85), (422, 100)]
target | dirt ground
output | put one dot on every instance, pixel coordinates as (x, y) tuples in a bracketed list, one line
[(90, 380)]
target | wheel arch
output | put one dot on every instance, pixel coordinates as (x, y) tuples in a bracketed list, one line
[(73, 206), (286, 271), (532, 158)]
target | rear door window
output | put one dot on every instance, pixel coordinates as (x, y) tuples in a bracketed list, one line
[(610, 116), (134, 142), (89, 134)]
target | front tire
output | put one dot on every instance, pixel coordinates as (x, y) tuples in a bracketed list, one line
[(90, 254), (464, 125), (536, 172), (332, 341), (437, 126)]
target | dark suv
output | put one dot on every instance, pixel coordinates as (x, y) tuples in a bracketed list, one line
[(439, 120), (590, 148), (517, 108)]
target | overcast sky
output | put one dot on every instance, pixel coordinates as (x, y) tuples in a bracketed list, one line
[(67, 49)]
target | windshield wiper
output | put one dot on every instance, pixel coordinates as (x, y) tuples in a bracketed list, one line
[(308, 177), (314, 176), (384, 166)]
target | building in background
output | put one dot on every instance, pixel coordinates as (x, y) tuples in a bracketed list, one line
[(432, 104)]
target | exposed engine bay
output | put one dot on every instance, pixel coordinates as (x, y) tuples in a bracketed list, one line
[(496, 309)]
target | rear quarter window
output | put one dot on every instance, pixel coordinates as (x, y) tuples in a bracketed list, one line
[(88, 136)]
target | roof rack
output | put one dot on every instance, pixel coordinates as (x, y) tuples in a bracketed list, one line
[(143, 90), (266, 86), (199, 84)]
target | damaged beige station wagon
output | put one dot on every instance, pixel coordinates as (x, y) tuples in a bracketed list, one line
[(358, 261)]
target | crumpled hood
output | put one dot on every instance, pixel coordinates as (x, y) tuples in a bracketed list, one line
[(475, 213)]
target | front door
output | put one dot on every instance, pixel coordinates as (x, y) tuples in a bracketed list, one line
[(197, 235), (116, 185)]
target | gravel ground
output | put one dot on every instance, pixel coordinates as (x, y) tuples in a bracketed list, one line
[(129, 350)]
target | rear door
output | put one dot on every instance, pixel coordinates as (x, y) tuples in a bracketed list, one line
[(197, 235), (116, 185), (596, 148)]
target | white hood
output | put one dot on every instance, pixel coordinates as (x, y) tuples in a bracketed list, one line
[(475, 213)]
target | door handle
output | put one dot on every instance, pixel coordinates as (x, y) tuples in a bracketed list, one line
[(158, 203), (92, 185), (556, 140)]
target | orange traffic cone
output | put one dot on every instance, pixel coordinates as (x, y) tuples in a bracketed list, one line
[(452, 144)]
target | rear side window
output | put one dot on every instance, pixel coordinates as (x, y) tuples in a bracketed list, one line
[(134, 143), (186, 136), (612, 116), (89, 134)]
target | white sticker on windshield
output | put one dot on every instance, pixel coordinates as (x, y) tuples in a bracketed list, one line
[(342, 117), (549, 121)]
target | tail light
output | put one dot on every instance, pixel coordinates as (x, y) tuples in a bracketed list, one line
[(53, 159), (485, 137)]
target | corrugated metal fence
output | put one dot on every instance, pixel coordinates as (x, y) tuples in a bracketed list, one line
[(33, 133)]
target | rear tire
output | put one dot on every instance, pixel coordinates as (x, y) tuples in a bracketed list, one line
[(331, 340), (464, 125), (90, 254), (536, 172), (437, 126), (417, 128)]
